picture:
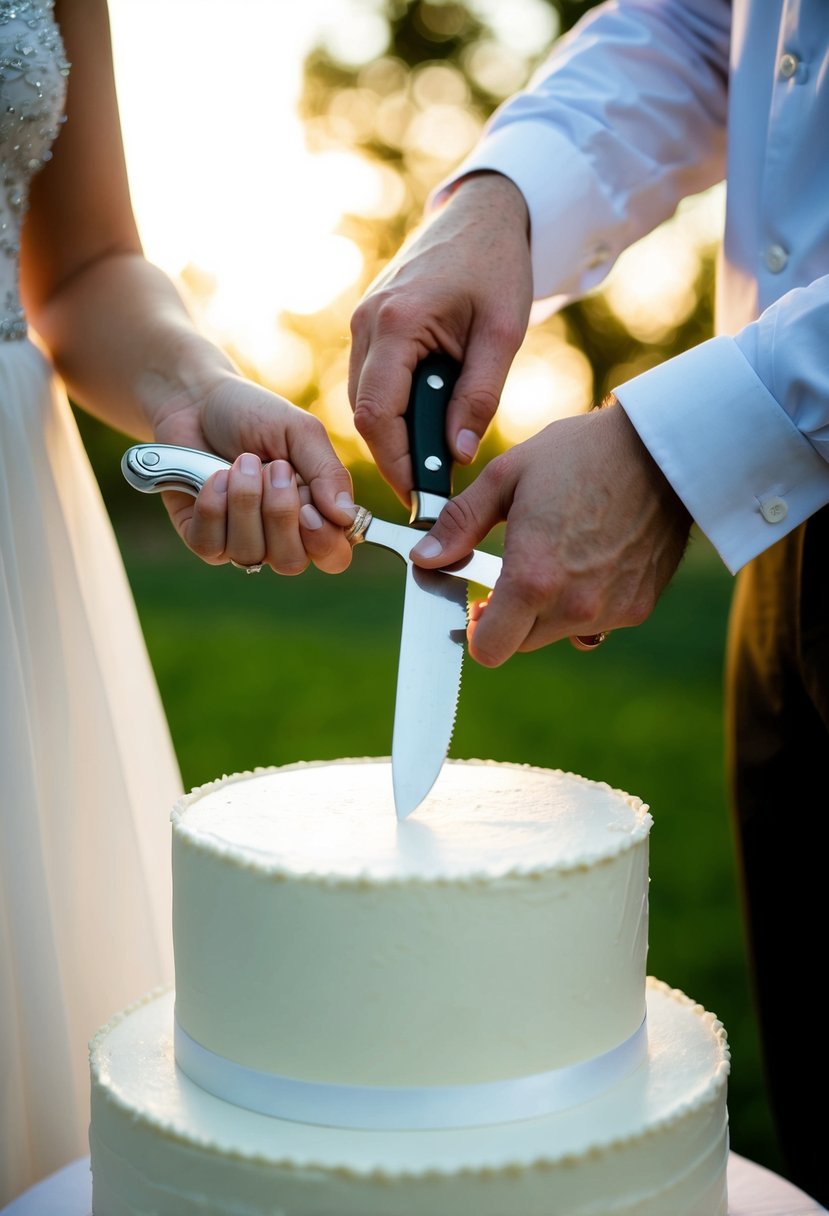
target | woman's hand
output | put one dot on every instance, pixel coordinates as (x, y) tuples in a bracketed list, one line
[(287, 498)]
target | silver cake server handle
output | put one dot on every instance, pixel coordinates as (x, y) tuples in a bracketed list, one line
[(153, 467)]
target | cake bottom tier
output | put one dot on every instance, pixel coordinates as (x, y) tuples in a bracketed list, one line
[(655, 1144)]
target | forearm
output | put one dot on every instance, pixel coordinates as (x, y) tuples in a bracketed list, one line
[(123, 341), (625, 118)]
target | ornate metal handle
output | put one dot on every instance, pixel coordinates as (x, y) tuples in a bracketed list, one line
[(153, 467)]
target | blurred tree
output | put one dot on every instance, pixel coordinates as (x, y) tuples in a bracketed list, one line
[(412, 111), (395, 93)]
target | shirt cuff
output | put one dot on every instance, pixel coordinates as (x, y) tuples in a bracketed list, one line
[(745, 472), (570, 216)]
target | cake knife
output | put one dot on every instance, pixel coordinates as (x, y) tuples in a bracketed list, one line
[(434, 611), (434, 606)]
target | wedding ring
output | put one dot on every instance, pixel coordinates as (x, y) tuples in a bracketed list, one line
[(358, 526), (254, 569), (591, 640)]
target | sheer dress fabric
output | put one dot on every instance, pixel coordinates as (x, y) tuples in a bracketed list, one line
[(88, 772)]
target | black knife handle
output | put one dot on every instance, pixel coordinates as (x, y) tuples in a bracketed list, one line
[(433, 383)]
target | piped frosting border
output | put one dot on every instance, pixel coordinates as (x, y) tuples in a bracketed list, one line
[(207, 844), (706, 1096)]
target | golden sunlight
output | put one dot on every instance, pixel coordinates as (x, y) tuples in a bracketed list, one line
[(223, 185), (652, 286), (549, 379), (273, 226)]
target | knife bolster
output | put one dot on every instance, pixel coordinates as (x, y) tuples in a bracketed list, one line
[(426, 508)]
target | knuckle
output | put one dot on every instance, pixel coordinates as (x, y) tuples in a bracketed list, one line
[(290, 566), (482, 404), (391, 314), (457, 515), (506, 333), (369, 414), (581, 606), (212, 554), (360, 318), (380, 312), (245, 497), (279, 513), (311, 429), (639, 610), (208, 511), (536, 584), (501, 471)]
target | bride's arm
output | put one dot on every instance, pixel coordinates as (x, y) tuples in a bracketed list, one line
[(121, 337)]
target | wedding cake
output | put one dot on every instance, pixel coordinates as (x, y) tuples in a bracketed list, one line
[(448, 1015)]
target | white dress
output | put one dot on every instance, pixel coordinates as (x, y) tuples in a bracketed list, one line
[(88, 773)]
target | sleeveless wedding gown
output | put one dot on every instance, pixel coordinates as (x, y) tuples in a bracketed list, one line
[(88, 774)]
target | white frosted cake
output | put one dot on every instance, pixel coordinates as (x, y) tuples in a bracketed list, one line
[(448, 1015)]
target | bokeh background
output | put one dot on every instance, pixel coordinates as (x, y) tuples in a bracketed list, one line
[(278, 156)]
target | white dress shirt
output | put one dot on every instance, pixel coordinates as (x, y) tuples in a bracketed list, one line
[(643, 103)]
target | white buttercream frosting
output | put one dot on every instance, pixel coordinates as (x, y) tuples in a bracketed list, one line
[(656, 1144), (481, 820), (501, 933), (497, 934)]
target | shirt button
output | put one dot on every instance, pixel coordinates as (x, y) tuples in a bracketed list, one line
[(773, 510), (776, 258), (788, 65)]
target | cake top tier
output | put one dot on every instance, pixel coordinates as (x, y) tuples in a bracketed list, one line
[(336, 820)]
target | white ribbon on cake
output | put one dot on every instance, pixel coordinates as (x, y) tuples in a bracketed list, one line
[(409, 1107)]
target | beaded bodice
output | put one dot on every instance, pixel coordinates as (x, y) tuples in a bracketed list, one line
[(33, 71)]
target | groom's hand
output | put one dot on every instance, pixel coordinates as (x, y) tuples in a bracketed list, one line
[(462, 285), (594, 533)]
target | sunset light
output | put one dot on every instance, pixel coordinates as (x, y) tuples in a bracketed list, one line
[(253, 210), (221, 179)]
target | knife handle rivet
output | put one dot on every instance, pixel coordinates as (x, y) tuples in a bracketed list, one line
[(150, 458), (433, 463), (435, 381)]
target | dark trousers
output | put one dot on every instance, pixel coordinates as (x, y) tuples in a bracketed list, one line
[(777, 714)]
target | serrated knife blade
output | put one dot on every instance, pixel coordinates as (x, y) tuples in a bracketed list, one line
[(428, 682), (434, 610)]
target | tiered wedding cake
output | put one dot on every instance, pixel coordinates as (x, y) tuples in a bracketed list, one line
[(444, 1016)]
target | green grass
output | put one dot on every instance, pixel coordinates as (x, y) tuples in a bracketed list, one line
[(268, 670)]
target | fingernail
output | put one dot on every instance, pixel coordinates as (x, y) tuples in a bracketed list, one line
[(249, 464), (282, 474), (220, 481), (428, 547), (344, 501), (467, 443), (310, 517)]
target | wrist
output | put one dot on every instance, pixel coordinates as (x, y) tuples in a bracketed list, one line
[(629, 442), (490, 188), (186, 371)]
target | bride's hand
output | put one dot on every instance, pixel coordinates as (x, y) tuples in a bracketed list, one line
[(286, 499)]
